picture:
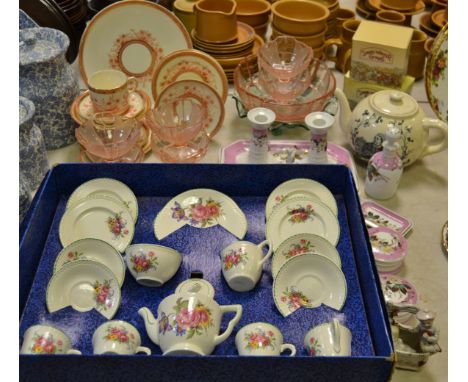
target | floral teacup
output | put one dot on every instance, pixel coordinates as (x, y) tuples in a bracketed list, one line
[(118, 337), (45, 339), (242, 264), (328, 339), (261, 339), (152, 265)]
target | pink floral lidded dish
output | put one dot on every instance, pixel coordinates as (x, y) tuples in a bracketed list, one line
[(389, 248), (398, 290)]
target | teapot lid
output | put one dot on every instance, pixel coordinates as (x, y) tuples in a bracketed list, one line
[(38, 45), (394, 103), (196, 286)]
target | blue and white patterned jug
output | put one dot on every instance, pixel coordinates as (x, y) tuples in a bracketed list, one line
[(49, 82)]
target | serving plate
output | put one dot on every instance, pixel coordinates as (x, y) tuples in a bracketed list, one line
[(84, 285), (131, 36), (190, 64), (97, 217), (436, 75), (95, 250), (300, 188), (206, 96), (308, 281), (301, 215), (300, 244), (200, 208), (377, 215), (110, 188)]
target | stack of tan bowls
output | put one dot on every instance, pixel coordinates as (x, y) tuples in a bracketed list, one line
[(432, 22), (368, 9), (218, 33), (255, 13), (304, 20)]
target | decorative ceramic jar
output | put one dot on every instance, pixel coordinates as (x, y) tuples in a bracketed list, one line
[(32, 151), (48, 80), (368, 123), (189, 323)]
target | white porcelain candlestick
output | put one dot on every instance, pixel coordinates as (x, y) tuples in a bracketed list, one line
[(385, 167), (260, 118), (318, 124)]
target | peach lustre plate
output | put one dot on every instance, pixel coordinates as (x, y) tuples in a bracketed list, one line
[(131, 36), (190, 64)]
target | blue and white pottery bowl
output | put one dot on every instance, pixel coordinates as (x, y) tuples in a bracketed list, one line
[(48, 80), (32, 151)]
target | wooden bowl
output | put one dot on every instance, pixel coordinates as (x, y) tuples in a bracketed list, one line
[(399, 5), (314, 41), (299, 18), (253, 12), (391, 17)]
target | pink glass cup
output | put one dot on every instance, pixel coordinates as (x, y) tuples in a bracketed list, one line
[(284, 68), (108, 136)]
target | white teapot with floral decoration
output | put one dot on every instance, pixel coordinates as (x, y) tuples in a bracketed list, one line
[(189, 323), (368, 122)]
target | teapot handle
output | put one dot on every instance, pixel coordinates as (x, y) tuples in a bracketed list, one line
[(224, 309), (429, 123)]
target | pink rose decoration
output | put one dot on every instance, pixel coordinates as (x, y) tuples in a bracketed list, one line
[(213, 210), (200, 212), (200, 317), (184, 319)]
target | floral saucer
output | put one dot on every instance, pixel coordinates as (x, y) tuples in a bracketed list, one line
[(300, 188), (84, 285), (200, 208), (199, 286), (82, 108), (309, 280), (300, 244), (301, 215), (97, 217), (95, 250), (151, 264), (389, 249), (398, 291), (110, 188)]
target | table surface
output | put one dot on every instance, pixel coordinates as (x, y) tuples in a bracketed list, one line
[(422, 196)]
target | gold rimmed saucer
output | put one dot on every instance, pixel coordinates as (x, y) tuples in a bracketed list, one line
[(82, 108)]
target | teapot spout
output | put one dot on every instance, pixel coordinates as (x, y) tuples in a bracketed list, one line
[(345, 111), (151, 324)]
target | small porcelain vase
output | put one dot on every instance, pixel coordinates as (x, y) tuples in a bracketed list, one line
[(318, 124), (33, 162), (260, 118), (385, 168), (48, 80)]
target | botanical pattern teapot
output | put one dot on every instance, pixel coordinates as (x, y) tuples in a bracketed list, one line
[(369, 120)]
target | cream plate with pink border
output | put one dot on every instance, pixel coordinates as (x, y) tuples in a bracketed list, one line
[(131, 36), (190, 64)]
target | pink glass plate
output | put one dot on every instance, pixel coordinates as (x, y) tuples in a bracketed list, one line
[(136, 155), (377, 215), (279, 150), (322, 88)]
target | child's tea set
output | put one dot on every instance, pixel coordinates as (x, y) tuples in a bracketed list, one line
[(89, 272)]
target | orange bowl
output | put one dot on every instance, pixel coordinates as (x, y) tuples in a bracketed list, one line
[(253, 12), (299, 18)]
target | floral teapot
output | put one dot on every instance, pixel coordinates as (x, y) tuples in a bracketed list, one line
[(188, 323), (368, 122)]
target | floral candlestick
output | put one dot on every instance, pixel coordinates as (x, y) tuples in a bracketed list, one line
[(385, 167), (318, 124), (260, 118)]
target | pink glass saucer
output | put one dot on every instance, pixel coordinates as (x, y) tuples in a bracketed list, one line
[(82, 108), (135, 155)]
